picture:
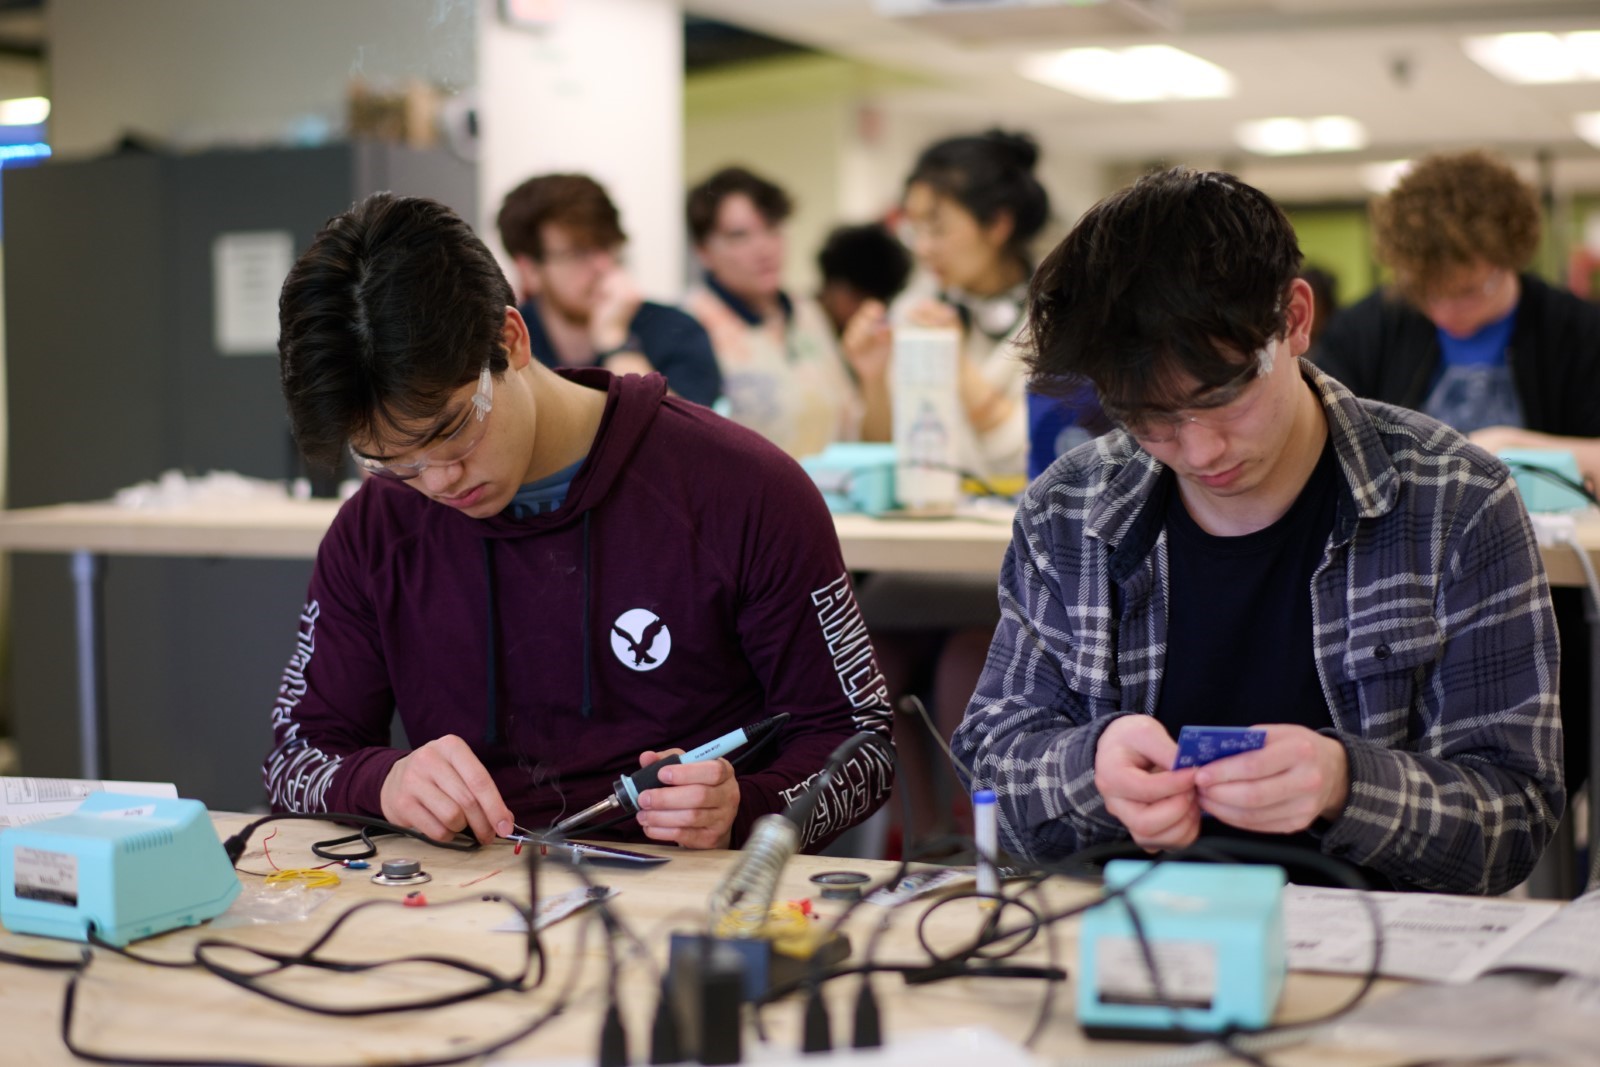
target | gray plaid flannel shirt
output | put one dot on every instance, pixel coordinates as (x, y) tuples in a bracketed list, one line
[(1434, 639)]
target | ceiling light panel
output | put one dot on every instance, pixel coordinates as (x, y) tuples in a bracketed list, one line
[(1538, 58), (1284, 136), (1587, 125), (1139, 74)]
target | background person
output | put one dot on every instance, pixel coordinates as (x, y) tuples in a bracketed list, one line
[(857, 264), (781, 370), (972, 205), (582, 309)]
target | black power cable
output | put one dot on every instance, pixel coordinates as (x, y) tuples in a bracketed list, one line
[(490, 982), (235, 845)]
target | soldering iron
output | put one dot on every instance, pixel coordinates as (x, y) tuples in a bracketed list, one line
[(624, 798)]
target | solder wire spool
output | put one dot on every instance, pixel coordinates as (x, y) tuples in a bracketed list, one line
[(840, 885), (401, 872)]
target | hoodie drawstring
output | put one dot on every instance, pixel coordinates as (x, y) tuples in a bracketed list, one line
[(588, 653), (491, 733)]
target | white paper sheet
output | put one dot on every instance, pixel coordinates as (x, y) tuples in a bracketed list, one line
[(26, 800), (1568, 944), (1426, 936)]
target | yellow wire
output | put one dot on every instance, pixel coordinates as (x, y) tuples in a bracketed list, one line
[(310, 877)]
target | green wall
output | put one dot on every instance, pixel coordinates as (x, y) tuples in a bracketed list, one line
[(1336, 238)]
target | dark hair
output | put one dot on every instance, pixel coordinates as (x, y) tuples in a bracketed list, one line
[(574, 201), (394, 307), (1156, 280), (1324, 296), (868, 258), (989, 173), (705, 200)]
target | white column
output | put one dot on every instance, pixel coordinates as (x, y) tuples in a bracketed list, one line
[(599, 91)]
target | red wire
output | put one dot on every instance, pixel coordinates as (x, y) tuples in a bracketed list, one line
[(266, 852)]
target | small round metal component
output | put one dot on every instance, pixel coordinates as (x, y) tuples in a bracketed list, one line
[(402, 872), (840, 885)]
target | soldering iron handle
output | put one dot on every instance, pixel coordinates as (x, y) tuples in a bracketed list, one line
[(642, 779)]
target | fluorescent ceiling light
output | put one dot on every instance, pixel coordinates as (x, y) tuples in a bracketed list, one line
[(1587, 123), (1379, 178), (1142, 73), (24, 111), (1290, 136), (1538, 58)]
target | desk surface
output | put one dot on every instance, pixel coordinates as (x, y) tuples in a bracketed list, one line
[(293, 529), (130, 1009)]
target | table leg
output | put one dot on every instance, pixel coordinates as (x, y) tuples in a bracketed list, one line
[(86, 573)]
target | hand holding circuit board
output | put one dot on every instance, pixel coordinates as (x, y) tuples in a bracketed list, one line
[(1199, 745)]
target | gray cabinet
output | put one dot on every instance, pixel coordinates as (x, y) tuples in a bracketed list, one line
[(112, 378)]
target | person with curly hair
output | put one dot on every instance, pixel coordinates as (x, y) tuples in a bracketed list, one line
[(1469, 336)]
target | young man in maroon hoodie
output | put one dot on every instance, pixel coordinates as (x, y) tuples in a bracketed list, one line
[(551, 577)]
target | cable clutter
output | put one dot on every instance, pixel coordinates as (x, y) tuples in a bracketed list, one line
[(1149, 966)]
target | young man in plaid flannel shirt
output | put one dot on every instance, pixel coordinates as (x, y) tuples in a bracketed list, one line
[(1257, 547)]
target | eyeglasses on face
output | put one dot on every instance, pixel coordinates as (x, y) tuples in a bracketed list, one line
[(1214, 409), (1463, 294), (456, 446), (581, 256)]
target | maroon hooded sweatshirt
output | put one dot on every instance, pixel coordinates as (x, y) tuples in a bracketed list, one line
[(690, 584)]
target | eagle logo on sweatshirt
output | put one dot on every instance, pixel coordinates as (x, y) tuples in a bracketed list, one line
[(640, 639)]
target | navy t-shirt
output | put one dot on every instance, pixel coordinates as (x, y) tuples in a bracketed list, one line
[(673, 342), (1239, 648), (1239, 643)]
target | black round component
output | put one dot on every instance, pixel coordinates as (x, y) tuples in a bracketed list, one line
[(840, 885), (401, 872), (403, 868)]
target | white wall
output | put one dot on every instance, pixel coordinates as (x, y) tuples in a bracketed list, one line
[(600, 91), (204, 73)]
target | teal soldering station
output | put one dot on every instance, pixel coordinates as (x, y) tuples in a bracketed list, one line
[(1215, 934), (117, 869)]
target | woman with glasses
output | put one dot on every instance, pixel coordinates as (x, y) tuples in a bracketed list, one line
[(972, 207)]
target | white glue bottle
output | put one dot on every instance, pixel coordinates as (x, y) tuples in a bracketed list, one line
[(926, 413)]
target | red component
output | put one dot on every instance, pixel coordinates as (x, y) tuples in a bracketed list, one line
[(516, 849), (415, 899)]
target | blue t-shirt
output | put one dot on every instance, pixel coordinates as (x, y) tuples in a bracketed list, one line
[(1057, 425), (544, 495), (1473, 388)]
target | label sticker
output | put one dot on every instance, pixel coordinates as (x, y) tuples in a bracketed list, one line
[(1188, 972), (143, 811), (49, 877)]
